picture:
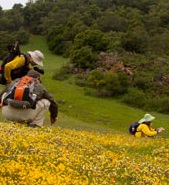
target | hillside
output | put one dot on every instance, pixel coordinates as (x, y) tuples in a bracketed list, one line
[(83, 112), (57, 156), (88, 145), (135, 32)]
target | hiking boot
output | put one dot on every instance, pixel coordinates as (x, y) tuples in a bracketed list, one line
[(31, 125)]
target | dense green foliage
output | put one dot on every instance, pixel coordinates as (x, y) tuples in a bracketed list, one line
[(12, 28), (136, 32), (140, 27)]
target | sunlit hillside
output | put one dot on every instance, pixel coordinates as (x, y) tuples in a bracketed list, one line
[(57, 156)]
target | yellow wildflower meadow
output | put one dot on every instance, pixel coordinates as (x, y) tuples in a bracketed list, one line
[(57, 156)]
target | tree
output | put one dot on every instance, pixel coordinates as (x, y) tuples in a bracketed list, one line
[(97, 40), (112, 21), (136, 40), (55, 39), (159, 43), (83, 57), (6, 39)]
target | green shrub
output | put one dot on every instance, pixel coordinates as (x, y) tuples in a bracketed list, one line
[(83, 57), (55, 39), (6, 39), (135, 97), (63, 73), (115, 84), (142, 82), (90, 91), (103, 93), (96, 79), (158, 104), (136, 40), (96, 39), (22, 36), (109, 84), (81, 80), (164, 104)]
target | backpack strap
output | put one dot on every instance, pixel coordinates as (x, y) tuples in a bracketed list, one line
[(26, 58)]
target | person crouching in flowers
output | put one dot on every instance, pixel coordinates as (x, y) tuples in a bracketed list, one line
[(34, 117), (145, 128)]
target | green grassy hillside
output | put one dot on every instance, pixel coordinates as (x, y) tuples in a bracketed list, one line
[(77, 150), (84, 112)]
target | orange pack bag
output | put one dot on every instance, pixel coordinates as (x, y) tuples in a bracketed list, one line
[(21, 95)]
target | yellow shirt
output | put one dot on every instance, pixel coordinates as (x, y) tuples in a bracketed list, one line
[(16, 63), (144, 130)]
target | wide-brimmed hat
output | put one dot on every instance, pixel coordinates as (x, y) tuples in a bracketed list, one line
[(37, 57), (147, 118)]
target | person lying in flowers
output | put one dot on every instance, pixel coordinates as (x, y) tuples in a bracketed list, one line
[(145, 128), (20, 111)]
